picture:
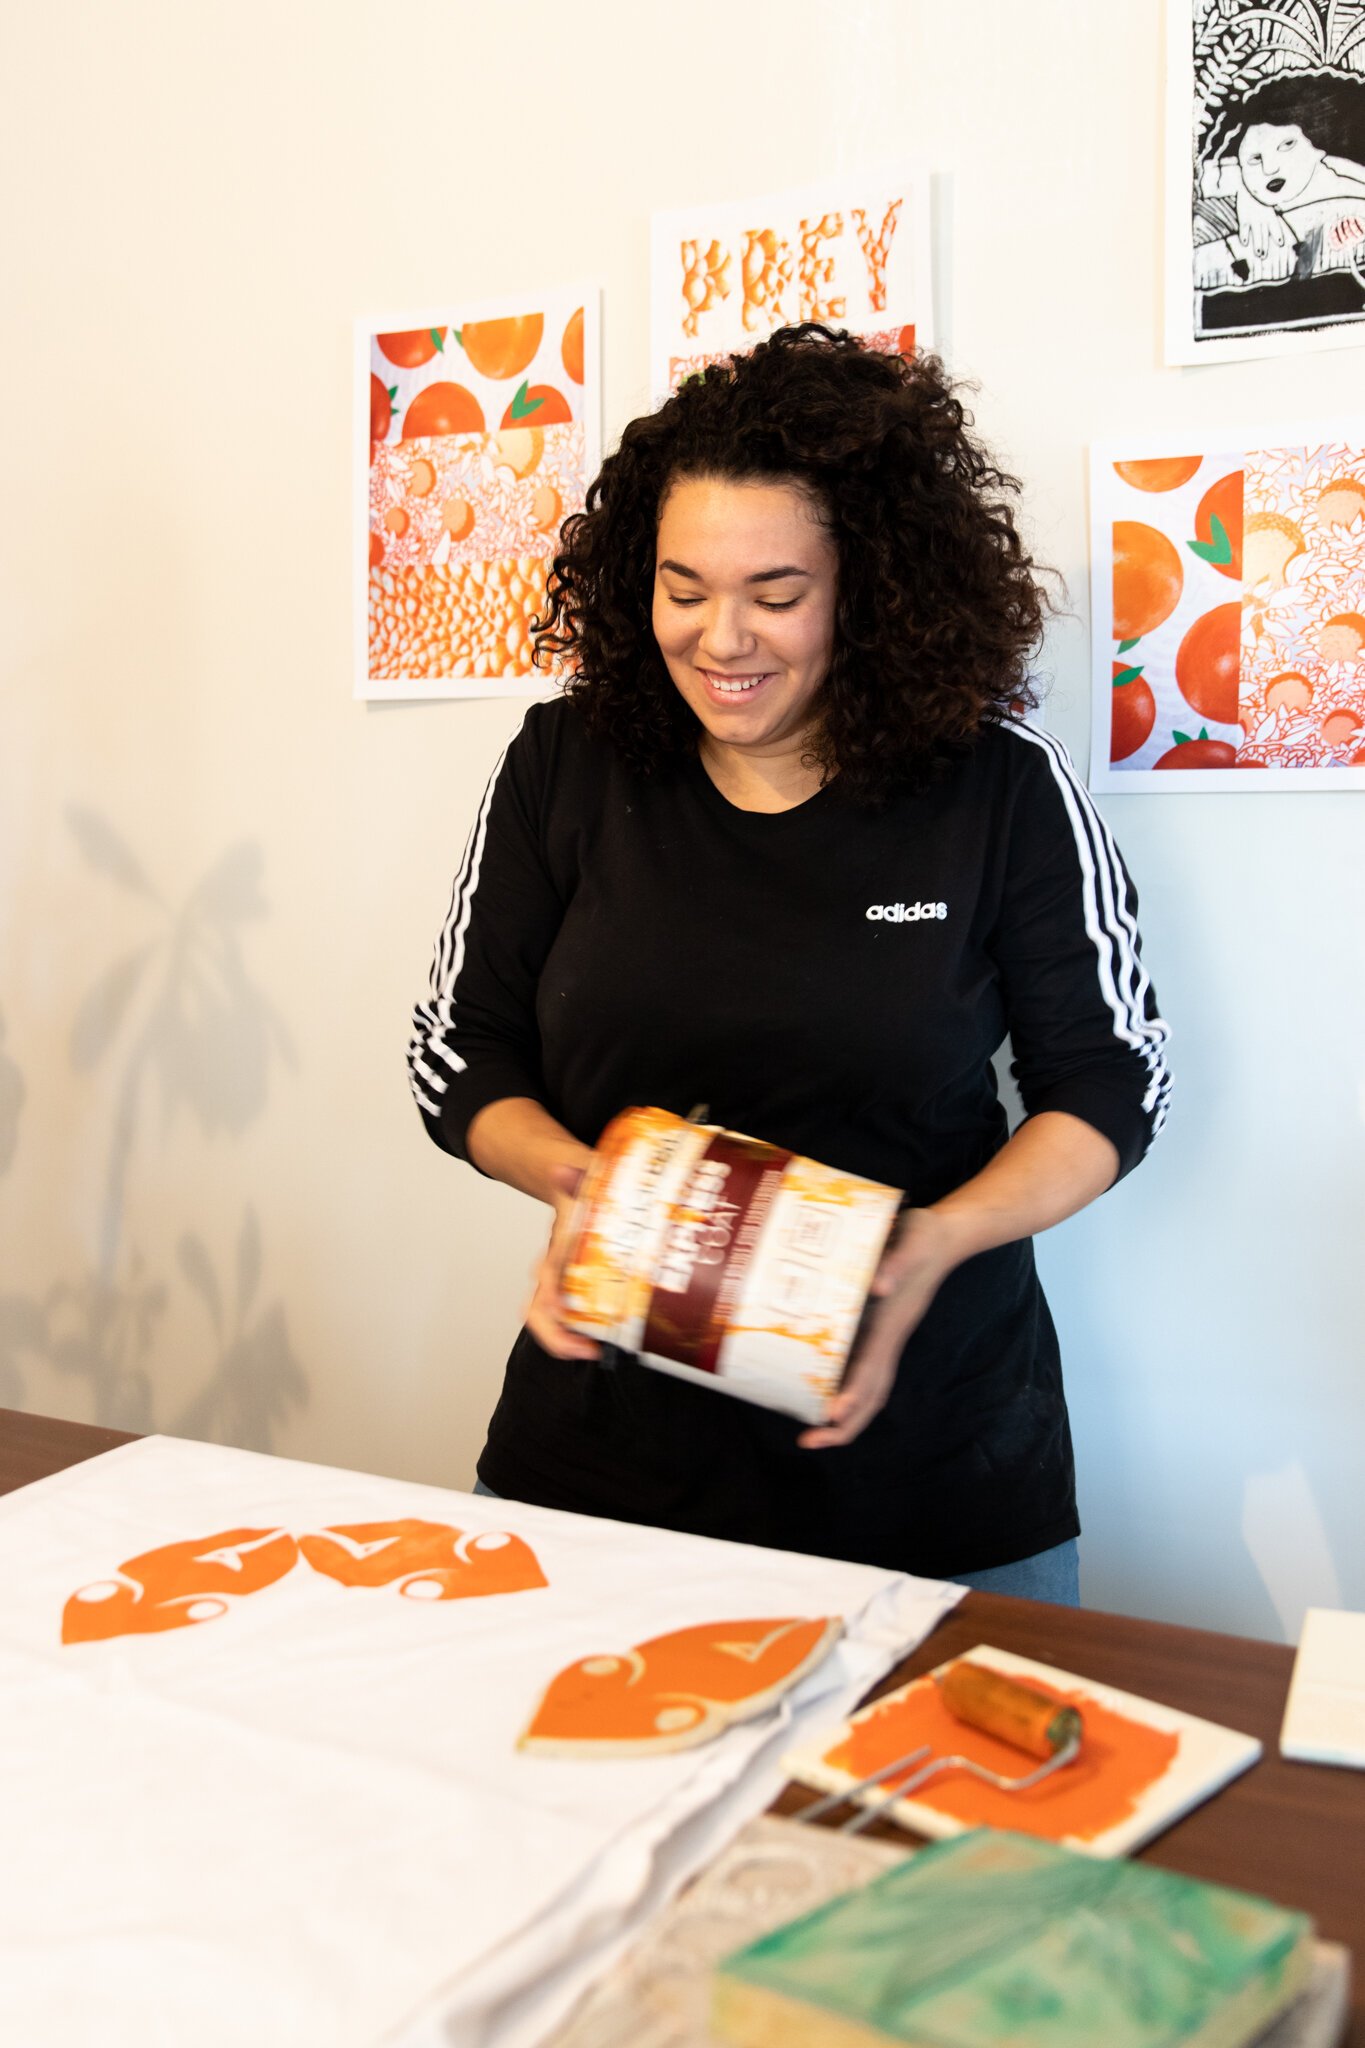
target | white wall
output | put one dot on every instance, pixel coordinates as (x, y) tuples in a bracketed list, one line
[(199, 199)]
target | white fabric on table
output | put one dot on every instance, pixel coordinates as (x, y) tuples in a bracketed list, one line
[(308, 1821)]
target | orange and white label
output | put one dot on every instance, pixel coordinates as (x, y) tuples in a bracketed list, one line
[(725, 1260)]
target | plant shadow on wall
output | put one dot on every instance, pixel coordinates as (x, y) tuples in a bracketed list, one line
[(189, 1030)]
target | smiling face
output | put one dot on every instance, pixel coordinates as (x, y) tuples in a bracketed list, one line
[(744, 598), (1276, 161)]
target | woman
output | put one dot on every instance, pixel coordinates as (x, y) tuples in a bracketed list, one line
[(784, 847)]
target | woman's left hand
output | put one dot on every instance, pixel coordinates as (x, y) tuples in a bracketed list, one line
[(1053, 1165), (922, 1253)]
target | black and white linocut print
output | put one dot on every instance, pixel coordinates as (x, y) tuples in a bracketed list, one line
[(1266, 169)]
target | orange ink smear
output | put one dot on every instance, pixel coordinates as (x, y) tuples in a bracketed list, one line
[(1120, 1759), (179, 1584), (425, 1560)]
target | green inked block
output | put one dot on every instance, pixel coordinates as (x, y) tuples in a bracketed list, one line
[(995, 1940)]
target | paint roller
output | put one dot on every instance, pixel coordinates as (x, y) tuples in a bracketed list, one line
[(986, 1699)]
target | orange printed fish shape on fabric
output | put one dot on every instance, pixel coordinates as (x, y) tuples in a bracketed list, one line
[(179, 1584), (679, 1689), (425, 1560), (183, 1583)]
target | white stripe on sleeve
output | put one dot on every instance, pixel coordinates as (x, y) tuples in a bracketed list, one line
[(1109, 923), (434, 1030)]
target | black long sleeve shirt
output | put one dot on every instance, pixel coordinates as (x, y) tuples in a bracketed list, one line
[(836, 981)]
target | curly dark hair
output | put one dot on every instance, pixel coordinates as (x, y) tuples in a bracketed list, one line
[(937, 609)]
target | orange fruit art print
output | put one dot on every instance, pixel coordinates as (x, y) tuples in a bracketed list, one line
[(1159, 473), (1208, 663), (1148, 579), (1238, 603), (181, 1584), (1133, 714), (502, 348), (538, 404), (676, 1690), (571, 347), (381, 411), (443, 409), (483, 437), (1198, 753), (1218, 527), (413, 348)]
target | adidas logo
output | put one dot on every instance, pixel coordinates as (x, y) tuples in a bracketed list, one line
[(906, 913)]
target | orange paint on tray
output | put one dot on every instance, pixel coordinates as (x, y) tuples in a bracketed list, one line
[(1120, 1759)]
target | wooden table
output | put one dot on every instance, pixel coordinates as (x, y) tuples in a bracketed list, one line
[(1293, 1832)]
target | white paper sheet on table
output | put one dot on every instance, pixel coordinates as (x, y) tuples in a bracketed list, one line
[(307, 1820)]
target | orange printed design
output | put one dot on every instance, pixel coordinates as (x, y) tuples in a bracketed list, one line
[(478, 452), (1120, 1760), (458, 622), (1302, 685), (181, 1584), (466, 498), (809, 260), (876, 249), (463, 528), (705, 280), (1269, 674), (816, 270), (677, 1690), (892, 341), (766, 273), (425, 1560)]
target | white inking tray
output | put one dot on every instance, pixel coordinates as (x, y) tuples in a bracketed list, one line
[(1208, 1758)]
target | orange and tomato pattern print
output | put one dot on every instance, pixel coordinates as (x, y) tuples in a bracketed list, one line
[(482, 433), (1229, 614), (851, 253)]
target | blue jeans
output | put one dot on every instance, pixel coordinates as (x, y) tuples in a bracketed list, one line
[(1051, 1575)]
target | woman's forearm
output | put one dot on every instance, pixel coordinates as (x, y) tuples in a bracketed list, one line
[(1053, 1165), (517, 1140)]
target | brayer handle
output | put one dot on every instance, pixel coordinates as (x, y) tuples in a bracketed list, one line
[(1002, 1707)]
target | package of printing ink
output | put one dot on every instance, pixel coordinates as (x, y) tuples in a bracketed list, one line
[(724, 1260)]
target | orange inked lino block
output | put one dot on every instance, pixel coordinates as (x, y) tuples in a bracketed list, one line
[(678, 1690)]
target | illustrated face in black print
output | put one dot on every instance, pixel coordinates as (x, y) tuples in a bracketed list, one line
[(1277, 164)]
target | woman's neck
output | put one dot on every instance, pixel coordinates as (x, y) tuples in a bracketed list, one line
[(754, 781)]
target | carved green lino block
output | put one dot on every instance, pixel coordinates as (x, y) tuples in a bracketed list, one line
[(996, 1940)]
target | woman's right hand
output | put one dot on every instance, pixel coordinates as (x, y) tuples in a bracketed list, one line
[(545, 1310), (516, 1140)]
